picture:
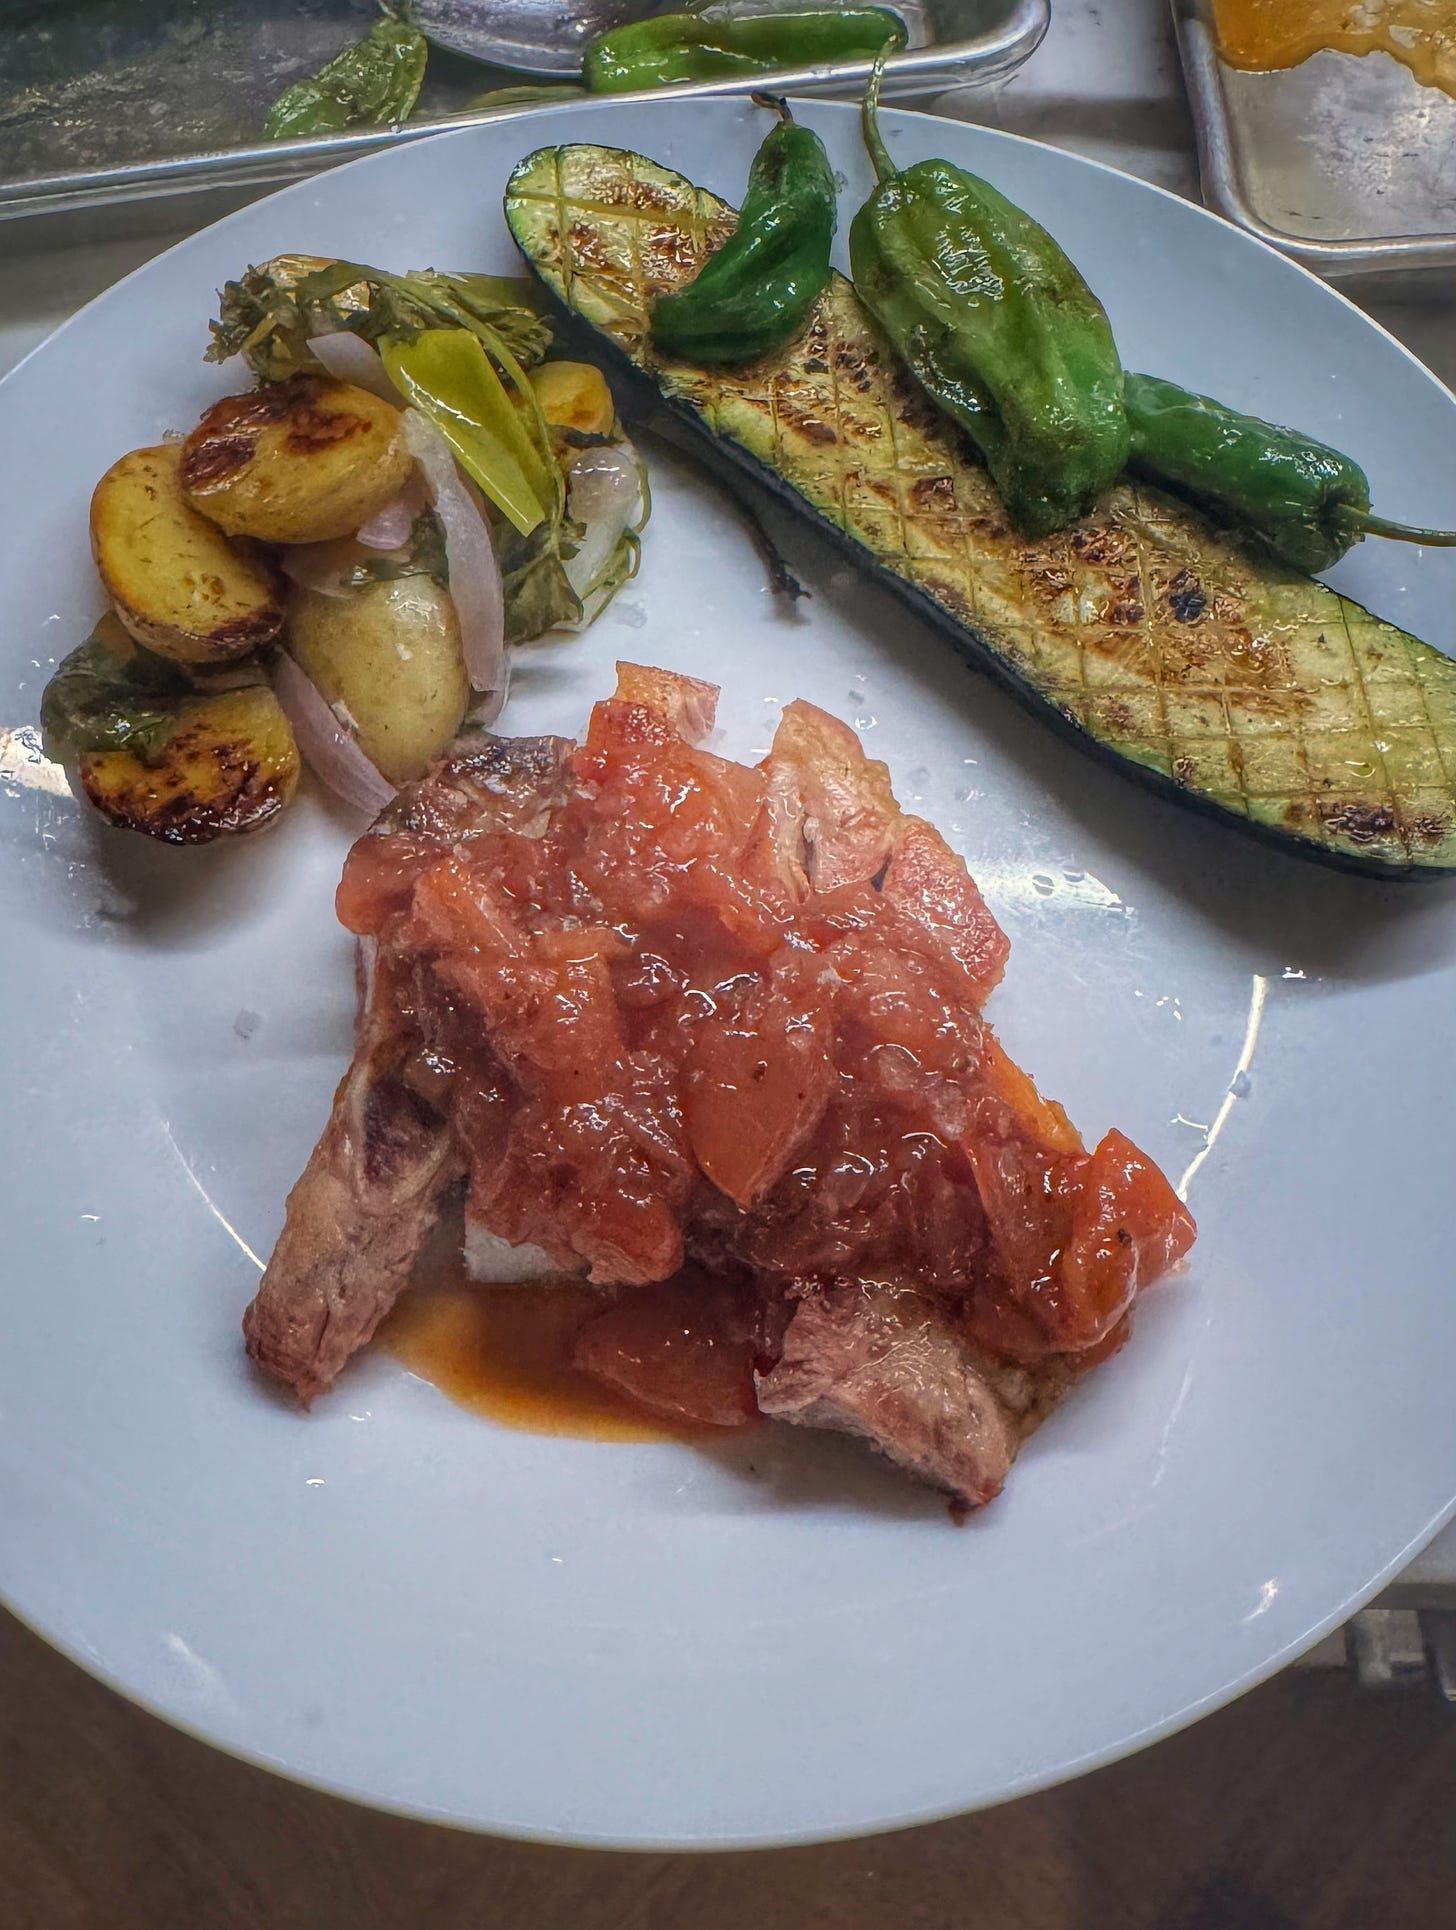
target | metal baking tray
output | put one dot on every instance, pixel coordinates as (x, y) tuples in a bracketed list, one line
[(106, 103), (1345, 162)]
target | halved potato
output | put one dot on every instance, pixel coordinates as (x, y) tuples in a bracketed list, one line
[(176, 582), (390, 659), (229, 766), (300, 461)]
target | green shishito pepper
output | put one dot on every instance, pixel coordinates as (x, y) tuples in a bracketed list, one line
[(999, 329), (756, 292), (371, 83), (1300, 498), (673, 47)]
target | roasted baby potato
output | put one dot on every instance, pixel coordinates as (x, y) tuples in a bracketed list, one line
[(176, 582), (574, 396), (389, 657), (300, 461), (229, 764)]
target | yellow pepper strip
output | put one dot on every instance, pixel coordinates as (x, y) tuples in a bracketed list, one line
[(447, 375)]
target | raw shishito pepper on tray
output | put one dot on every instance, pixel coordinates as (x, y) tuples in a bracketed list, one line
[(757, 291), (1301, 499), (674, 47), (369, 83), (997, 326)]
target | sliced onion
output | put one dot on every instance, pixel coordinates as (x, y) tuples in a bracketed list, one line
[(475, 579), (389, 528), (490, 705), (330, 752), (351, 359), (605, 495), (325, 567)]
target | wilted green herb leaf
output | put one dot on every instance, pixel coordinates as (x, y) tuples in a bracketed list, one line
[(259, 319), (568, 438), (537, 594), (99, 700), (502, 303), (620, 568), (423, 555), (269, 320)]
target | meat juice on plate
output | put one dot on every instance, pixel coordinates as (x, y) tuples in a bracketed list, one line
[(507, 1352)]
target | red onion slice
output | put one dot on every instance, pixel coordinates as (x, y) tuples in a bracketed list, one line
[(607, 495), (351, 359), (475, 579), (388, 528), (491, 704), (330, 752)]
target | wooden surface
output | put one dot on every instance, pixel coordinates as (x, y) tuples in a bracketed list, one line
[(1307, 1806)]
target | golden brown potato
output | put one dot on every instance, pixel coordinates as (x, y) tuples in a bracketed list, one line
[(574, 395), (390, 658), (300, 461), (176, 582), (230, 765)]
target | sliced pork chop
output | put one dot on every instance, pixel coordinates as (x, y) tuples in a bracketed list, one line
[(482, 784), (366, 1201), (885, 1363), (360, 1211)]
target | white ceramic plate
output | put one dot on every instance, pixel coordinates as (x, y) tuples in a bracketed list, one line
[(651, 1644)]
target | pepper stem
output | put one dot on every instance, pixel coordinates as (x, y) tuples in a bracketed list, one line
[(1441, 539), (777, 102), (869, 116)]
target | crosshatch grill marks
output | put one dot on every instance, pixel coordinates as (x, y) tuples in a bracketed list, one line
[(1267, 696)]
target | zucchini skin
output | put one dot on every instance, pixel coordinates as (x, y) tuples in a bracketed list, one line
[(1143, 634)]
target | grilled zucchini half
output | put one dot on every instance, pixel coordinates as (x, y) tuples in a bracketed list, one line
[(1223, 679)]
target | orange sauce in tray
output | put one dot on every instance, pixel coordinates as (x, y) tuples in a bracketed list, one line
[(506, 1353), (1421, 34)]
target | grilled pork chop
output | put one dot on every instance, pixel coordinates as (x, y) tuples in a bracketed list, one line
[(713, 1037)]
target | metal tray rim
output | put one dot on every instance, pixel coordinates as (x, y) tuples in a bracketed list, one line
[(1223, 190), (984, 57)]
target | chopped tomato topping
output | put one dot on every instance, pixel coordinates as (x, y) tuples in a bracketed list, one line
[(684, 1349), (733, 1016)]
